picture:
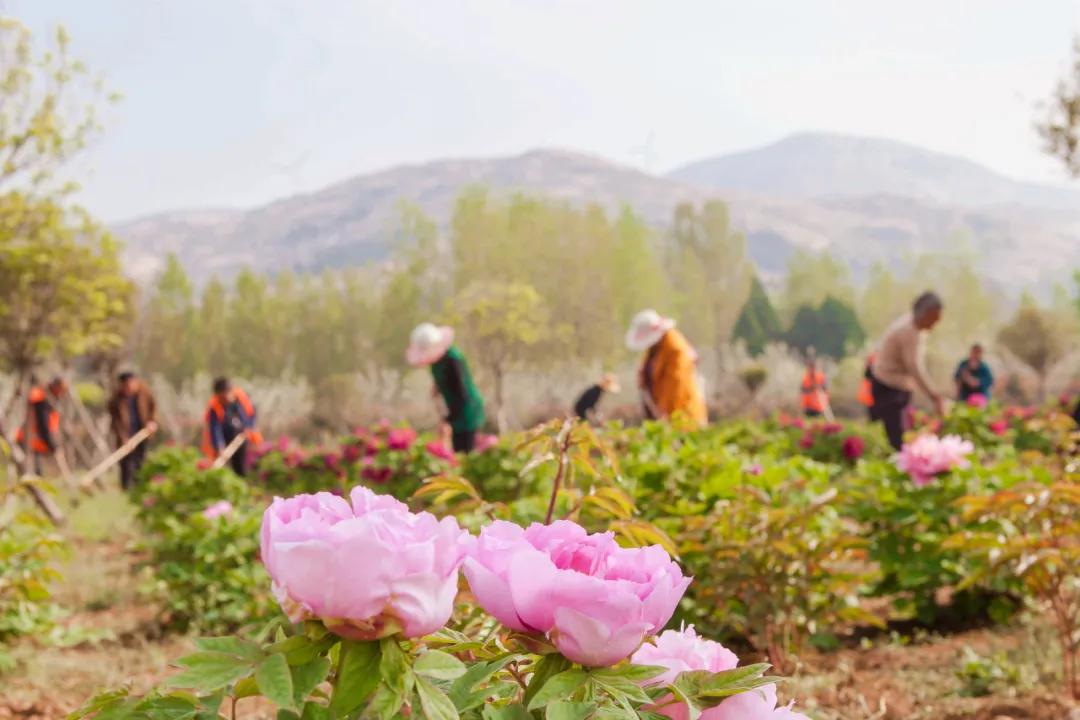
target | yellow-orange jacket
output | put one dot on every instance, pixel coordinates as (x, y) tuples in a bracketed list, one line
[(669, 377)]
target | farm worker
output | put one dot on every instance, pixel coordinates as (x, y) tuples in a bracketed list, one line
[(973, 376), (433, 346), (43, 422), (814, 395), (131, 408), (668, 374), (229, 415), (866, 390), (899, 369), (587, 402)]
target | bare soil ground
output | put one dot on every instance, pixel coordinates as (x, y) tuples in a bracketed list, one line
[(110, 637)]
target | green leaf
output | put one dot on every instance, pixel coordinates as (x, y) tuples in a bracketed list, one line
[(438, 665), (548, 667), (306, 678), (230, 646), (559, 687), (315, 711), (356, 677), (394, 667), (209, 671), (507, 712), (621, 689), (170, 707), (563, 710), (245, 688), (275, 681), (633, 673), (386, 703), (464, 694), (434, 702), (118, 709)]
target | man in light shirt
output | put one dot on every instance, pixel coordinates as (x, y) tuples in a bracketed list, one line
[(898, 368)]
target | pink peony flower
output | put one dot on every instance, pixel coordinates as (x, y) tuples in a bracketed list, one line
[(806, 441), (218, 509), (369, 570), (351, 453), (854, 446), (378, 475), (976, 400), (485, 442), (283, 443), (149, 501), (754, 469), (440, 451), (158, 480), (400, 438), (331, 460), (927, 456), (832, 428), (684, 651), (999, 427), (595, 601)]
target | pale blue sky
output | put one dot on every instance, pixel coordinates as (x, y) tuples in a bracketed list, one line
[(236, 102)]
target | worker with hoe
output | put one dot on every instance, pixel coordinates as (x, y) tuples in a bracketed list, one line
[(433, 346), (230, 414), (668, 376), (131, 409), (899, 367)]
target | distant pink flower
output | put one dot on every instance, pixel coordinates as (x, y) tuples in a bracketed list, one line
[(149, 501), (218, 509), (486, 442), (400, 438), (158, 480), (832, 428), (371, 446), (999, 427), (976, 400), (331, 460), (754, 469), (927, 456), (1064, 399), (351, 453), (806, 441), (378, 475), (440, 451), (684, 651), (283, 443), (854, 446)]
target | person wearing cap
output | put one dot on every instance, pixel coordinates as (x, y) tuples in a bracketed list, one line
[(433, 347), (899, 367), (668, 374), (131, 408), (587, 402), (230, 414)]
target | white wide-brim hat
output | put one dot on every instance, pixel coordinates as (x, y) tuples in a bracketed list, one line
[(428, 343), (646, 329)]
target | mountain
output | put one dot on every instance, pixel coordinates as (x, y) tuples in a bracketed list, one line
[(816, 165), (864, 200)]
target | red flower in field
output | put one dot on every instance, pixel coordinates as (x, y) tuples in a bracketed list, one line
[(400, 438), (854, 446), (332, 460), (999, 427), (440, 451), (486, 442), (378, 475), (371, 446), (977, 400), (1064, 400), (283, 443), (351, 453), (832, 428), (807, 441)]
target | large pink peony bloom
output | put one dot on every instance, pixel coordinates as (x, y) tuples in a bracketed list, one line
[(368, 570), (927, 456), (683, 651), (594, 600)]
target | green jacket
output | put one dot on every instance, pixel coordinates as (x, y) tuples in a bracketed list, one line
[(455, 383)]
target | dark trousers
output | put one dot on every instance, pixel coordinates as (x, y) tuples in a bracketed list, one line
[(238, 462), (811, 413), (890, 406), (130, 466), (464, 441)]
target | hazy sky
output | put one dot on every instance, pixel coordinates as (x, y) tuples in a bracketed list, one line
[(236, 102)]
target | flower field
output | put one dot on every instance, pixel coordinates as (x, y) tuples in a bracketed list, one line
[(770, 569)]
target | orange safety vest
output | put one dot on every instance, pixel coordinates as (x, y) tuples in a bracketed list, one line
[(866, 389), (813, 391), (254, 436), (37, 443)]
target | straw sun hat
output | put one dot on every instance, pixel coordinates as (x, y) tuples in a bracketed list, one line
[(646, 329), (428, 343)]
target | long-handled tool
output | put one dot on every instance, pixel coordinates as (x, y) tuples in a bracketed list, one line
[(117, 455), (826, 408), (229, 451)]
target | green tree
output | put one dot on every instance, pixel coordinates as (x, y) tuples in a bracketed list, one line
[(213, 336), (167, 335), (758, 323), (1034, 336), (811, 278), (832, 328), (1060, 129), (499, 324)]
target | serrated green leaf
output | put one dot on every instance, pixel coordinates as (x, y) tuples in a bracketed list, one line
[(306, 678), (230, 646), (438, 665), (209, 671), (436, 705), (275, 681), (357, 676), (463, 692), (559, 687)]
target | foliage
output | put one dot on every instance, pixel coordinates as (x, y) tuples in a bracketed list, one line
[(758, 324), (1033, 336), (1060, 130), (1031, 533), (831, 328), (811, 279)]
